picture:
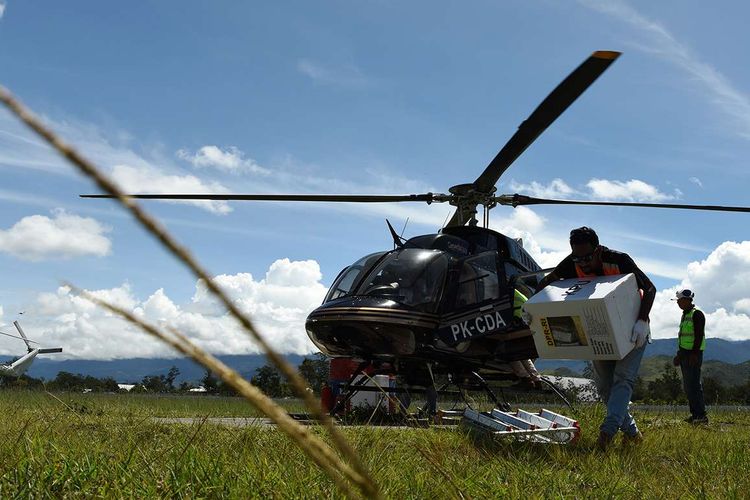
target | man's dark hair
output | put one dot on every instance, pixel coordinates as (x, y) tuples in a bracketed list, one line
[(584, 235)]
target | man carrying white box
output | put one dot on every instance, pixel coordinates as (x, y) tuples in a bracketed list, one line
[(615, 378)]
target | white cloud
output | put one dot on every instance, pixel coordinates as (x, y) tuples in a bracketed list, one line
[(149, 171), (549, 245), (555, 189), (278, 305), (631, 235), (38, 237), (19, 148), (146, 179), (721, 283), (659, 41), (136, 172), (231, 160), (346, 75), (632, 190), (696, 181), (547, 249), (742, 305), (662, 268), (2, 8), (601, 189)]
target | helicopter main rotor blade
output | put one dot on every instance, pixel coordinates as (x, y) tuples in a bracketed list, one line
[(25, 339), (547, 112), (354, 198), (17, 337), (519, 199)]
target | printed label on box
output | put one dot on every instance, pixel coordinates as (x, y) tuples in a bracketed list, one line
[(602, 348), (596, 322), (564, 331)]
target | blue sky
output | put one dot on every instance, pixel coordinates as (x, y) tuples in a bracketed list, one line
[(356, 97)]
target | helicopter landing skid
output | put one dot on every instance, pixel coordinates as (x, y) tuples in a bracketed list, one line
[(430, 409)]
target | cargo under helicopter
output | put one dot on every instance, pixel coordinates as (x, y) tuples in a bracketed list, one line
[(444, 303)]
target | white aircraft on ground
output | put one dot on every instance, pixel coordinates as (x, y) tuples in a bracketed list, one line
[(18, 367)]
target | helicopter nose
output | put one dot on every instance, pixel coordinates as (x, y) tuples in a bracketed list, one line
[(368, 327), (363, 338)]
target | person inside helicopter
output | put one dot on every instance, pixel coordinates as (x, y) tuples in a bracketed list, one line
[(411, 276), (478, 281)]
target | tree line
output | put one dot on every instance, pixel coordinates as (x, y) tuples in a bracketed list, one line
[(666, 388), (267, 378)]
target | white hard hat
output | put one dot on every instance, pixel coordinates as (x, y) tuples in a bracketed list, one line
[(684, 293)]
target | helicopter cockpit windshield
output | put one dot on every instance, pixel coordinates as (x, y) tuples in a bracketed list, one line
[(410, 276), (348, 277)]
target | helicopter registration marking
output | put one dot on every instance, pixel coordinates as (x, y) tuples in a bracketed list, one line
[(478, 325)]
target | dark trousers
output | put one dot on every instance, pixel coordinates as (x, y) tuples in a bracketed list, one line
[(691, 381)]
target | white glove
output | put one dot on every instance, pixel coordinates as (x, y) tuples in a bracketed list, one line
[(526, 317), (641, 330)]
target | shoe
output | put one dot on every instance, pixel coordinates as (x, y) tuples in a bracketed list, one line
[(604, 441), (700, 420), (632, 440)]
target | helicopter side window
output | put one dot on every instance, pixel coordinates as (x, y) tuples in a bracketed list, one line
[(343, 284), (478, 281), (525, 285)]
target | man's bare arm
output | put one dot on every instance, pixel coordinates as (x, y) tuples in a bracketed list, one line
[(646, 302), (547, 280), (699, 329)]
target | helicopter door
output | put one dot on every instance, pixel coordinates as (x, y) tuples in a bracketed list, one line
[(482, 304)]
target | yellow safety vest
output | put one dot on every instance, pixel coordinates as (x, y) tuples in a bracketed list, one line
[(518, 300), (687, 331)]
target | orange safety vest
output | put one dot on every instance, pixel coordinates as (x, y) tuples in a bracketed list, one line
[(609, 270)]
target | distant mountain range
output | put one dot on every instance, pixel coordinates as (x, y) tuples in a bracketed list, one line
[(727, 374), (727, 351), (133, 370)]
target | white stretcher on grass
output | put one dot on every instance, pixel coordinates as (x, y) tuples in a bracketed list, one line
[(544, 427)]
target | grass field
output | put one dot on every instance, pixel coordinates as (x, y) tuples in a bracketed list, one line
[(110, 446)]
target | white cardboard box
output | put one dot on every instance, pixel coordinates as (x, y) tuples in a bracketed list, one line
[(585, 318)]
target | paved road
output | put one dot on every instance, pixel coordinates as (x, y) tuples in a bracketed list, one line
[(226, 421), (264, 423)]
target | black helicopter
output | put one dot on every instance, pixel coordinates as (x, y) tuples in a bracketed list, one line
[(443, 300)]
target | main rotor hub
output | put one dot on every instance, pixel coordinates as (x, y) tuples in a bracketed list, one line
[(466, 198)]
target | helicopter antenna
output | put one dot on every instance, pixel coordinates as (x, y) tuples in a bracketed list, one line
[(404, 229), (446, 220), (397, 243)]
